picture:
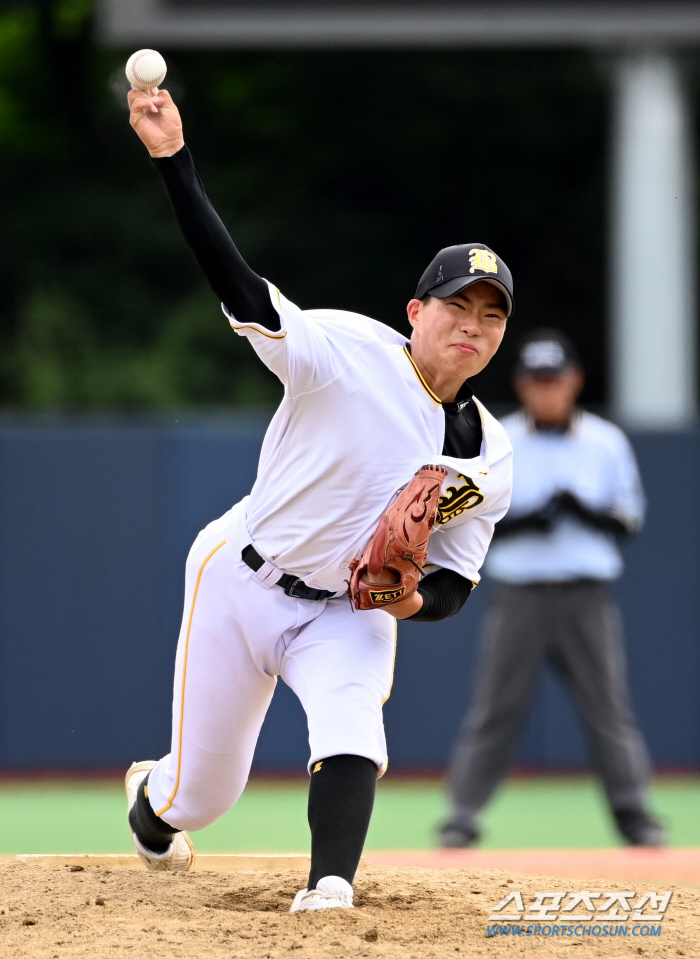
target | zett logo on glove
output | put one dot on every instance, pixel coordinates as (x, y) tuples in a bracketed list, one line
[(385, 596)]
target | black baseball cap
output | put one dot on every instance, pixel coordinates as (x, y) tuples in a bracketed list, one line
[(546, 352), (458, 266)]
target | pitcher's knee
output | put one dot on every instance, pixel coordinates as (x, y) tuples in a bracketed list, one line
[(348, 739)]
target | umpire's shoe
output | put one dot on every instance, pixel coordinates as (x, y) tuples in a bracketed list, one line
[(639, 828), (177, 854), (331, 892), (454, 835)]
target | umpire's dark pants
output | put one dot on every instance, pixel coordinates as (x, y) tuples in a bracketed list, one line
[(577, 627)]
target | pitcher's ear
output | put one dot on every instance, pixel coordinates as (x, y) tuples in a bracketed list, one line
[(414, 308)]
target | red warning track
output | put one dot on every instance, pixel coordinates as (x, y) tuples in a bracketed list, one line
[(680, 866)]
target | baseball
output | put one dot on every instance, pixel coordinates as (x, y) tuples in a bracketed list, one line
[(146, 69)]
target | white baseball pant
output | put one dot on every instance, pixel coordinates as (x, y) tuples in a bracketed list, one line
[(236, 637)]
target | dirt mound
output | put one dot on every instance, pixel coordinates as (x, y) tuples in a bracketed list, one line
[(97, 912)]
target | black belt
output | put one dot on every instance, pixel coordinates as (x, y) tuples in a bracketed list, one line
[(292, 585)]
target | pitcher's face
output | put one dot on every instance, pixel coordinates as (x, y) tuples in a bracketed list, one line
[(460, 334)]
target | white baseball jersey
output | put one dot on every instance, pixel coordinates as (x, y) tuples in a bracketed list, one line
[(356, 422), (594, 461)]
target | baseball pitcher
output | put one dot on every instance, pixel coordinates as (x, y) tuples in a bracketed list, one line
[(380, 480)]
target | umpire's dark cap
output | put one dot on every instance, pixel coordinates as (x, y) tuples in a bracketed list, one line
[(546, 352), (459, 266)]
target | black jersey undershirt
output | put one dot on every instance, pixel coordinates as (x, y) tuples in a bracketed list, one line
[(245, 295)]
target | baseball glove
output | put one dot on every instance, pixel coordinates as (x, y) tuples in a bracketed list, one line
[(400, 543)]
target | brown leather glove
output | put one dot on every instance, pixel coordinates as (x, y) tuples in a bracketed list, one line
[(400, 543)]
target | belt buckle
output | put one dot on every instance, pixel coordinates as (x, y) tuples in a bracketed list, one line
[(290, 587)]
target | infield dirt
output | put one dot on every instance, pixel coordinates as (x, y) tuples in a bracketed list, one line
[(63, 912)]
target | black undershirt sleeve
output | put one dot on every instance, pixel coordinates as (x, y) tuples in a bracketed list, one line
[(444, 593), (244, 294)]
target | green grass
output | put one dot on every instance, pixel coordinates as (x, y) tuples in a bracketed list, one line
[(271, 816)]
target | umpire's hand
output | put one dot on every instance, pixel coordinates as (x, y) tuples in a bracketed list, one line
[(157, 121)]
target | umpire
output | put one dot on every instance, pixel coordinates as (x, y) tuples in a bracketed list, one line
[(576, 488)]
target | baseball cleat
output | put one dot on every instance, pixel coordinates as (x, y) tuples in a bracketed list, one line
[(457, 836), (639, 828), (179, 857), (331, 892)]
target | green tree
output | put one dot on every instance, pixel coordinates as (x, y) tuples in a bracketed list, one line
[(339, 175)]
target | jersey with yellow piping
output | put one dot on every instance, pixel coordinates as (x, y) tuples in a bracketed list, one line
[(356, 421)]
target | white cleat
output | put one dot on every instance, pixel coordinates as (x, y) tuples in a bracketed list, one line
[(179, 857), (332, 892)]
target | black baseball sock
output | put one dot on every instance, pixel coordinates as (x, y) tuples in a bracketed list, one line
[(151, 830), (341, 797)]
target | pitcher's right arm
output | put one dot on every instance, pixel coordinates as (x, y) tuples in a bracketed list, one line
[(156, 120)]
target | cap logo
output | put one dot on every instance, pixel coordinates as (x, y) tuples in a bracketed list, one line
[(439, 278), (483, 260), (543, 354)]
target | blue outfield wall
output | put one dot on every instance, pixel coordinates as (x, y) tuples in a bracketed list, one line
[(96, 520)]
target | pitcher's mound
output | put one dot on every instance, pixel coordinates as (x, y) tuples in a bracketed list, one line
[(66, 911)]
